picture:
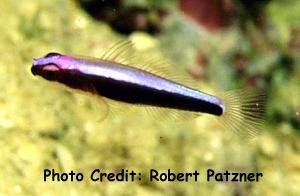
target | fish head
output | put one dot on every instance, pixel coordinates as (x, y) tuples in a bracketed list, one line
[(51, 67)]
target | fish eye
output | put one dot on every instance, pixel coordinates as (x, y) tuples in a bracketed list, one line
[(51, 54), (50, 75), (50, 72)]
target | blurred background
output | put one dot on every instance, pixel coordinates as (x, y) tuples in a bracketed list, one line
[(222, 44)]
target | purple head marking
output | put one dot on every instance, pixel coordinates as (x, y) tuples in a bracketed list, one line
[(47, 66), (48, 59)]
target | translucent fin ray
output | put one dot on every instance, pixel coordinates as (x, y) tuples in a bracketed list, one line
[(168, 113), (121, 52), (244, 112)]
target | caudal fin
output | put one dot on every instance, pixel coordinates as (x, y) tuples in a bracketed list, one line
[(244, 112)]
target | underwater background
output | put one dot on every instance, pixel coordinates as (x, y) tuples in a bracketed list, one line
[(223, 45)]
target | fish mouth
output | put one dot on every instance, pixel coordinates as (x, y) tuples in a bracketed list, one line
[(34, 70)]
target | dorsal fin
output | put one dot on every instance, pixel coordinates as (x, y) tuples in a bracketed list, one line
[(162, 68), (121, 52)]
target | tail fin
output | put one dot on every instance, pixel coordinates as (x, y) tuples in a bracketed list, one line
[(244, 112)]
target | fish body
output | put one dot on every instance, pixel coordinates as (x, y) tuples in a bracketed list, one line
[(124, 83), (241, 111)]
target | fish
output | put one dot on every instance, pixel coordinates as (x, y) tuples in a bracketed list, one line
[(110, 76)]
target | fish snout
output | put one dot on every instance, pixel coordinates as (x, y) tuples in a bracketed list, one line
[(34, 70)]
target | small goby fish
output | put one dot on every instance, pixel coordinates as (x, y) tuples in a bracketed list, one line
[(110, 78)]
